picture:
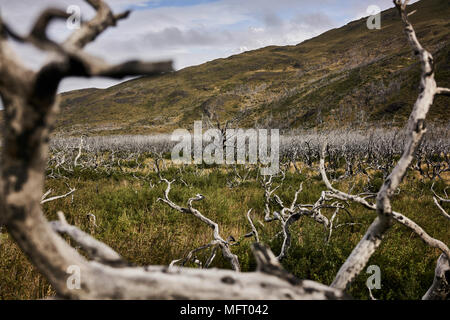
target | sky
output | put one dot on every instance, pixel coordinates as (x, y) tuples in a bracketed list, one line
[(189, 32)]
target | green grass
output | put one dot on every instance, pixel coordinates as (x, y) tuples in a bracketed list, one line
[(145, 231)]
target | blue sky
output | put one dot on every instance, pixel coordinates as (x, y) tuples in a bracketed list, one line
[(190, 32)]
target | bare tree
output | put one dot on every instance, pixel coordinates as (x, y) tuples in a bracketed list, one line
[(218, 240), (415, 130), (30, 107)]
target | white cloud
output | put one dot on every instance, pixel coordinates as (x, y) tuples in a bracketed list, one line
[(190, 35)]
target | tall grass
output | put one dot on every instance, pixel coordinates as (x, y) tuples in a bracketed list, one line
[(145, 231)]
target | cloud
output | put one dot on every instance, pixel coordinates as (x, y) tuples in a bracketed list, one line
[(314, 20), (190, 31), (271, 19)]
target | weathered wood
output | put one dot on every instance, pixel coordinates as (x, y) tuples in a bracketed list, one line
[(416, 129), (30, 106)]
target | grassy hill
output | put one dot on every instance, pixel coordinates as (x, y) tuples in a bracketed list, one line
[(350, 76)]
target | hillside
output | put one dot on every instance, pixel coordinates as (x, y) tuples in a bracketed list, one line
[(349, 76)]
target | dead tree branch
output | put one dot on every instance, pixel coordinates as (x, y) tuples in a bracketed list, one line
[(45, 199), (369, 233), (415, 131), (254, 231), (30, 106), (224, 245)]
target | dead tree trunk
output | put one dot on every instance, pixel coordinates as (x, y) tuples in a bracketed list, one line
[(415, 130), (30, 106)]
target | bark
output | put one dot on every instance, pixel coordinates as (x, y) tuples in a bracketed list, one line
[(30, 106), (440, 289), (415, 129)]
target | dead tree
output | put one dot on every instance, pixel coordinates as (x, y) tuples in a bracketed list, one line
[(287, 215), (218, 240), (30, 107), (377, 230)]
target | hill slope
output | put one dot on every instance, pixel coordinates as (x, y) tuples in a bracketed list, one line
[(349, 76)]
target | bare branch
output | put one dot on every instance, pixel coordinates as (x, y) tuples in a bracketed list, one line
[(440, 289), (30, 106), (91, 30), (75, 162), (44, 200), (254, 231), (437, 196), (443, 91), (436, 202), (224, 245), (39, 30), (192, 252), (371, 234), (97, 250), (416, 128)]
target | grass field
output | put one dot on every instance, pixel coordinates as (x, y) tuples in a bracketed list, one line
[(348, 90), (131, 220)]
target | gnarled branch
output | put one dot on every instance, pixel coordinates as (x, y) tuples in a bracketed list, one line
[(415, 131)]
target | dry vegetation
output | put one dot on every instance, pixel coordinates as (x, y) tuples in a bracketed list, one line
[(115, 181), (346, 77), (315, 216)]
